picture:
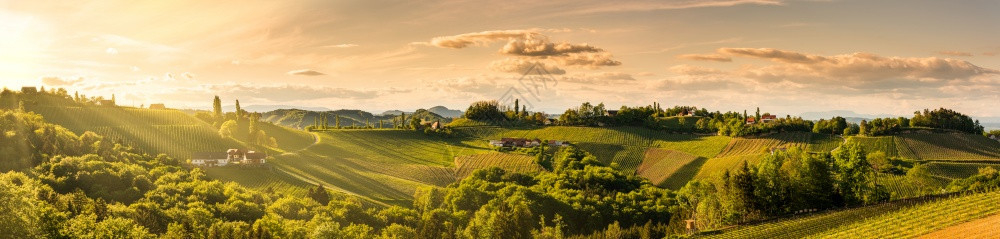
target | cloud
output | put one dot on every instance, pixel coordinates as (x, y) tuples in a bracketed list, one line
[(855, 67), (305, 72), (589, 60), (111, 51), (532, 44), (58, 81), (694, 70), (643, 6), (188, 75), (341, 46), (954, 53), (479, 38), (603, 78), (773, 54), (706, 57), (540, 46), (521, 66), (280, 93)]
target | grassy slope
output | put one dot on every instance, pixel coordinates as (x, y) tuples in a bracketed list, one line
[(898, 219), (952, 146), (824, 143)]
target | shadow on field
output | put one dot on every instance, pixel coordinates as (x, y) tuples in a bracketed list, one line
[(684, 174)]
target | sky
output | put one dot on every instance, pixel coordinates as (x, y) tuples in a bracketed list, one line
[(786, 57)]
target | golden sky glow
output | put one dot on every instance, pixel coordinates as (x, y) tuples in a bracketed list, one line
[(787, 57)]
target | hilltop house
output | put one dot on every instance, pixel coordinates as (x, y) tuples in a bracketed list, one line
[(767, 118), (751, 120), (610, 113), (29, 89), (159, 106)]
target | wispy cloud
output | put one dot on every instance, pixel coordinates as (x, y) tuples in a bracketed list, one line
[(305, 72), (954, 53), (706, 57), (341, 46)]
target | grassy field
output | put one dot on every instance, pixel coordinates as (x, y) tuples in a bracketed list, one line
[(510, 162), (899, 219), (761, 145), (669, 168)]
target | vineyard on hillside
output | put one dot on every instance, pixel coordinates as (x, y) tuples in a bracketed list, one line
[(898, 219), (660, 165), (952, 146), (886, 144), (262, 178), (824, 143), (175, 140), (510, 162), (949, 170), (762, 145)]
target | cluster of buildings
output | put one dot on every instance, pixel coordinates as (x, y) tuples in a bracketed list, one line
[(231, 156), (523, 142), (766, 118)]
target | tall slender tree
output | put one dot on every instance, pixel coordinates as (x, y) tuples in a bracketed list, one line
[(239, 112), (515, 107), (217, 107), (337, 120)]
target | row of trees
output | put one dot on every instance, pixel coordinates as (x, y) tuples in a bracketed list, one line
[(783, 183), (946, 119), (493, 112)]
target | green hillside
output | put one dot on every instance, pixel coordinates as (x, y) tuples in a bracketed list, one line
[(933, 146), (764, 144)]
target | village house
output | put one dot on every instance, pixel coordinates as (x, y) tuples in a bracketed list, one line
[(751, 121), (159, 106), (610, 113), (107, 103)]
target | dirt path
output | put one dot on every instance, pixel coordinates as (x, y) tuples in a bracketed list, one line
[(988, 227)]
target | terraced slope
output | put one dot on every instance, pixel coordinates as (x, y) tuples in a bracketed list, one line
[(716, 166), (952, 146)]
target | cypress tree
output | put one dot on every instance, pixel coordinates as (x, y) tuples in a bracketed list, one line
[(515, 107), (239, 113), (217, 107)]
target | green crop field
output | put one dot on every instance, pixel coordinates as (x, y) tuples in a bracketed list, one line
[(764, 144), (952, 146), (899, 219), (669, 168), (824, 143), (510, 162)]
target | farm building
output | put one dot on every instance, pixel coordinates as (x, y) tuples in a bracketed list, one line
[(159, 106), (767, 118), (558, 143), (522, 142), (611, 113), (107, 103), (231, 156), (29, 89), (751, 120), (209, 159)]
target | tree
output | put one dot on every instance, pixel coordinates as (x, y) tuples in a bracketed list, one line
[(239, 111), (415, 123), (217, 107), (336, 119), (319, 194), (863, 128), (758, 113), (516, 108), (919, 175), (226, 130)]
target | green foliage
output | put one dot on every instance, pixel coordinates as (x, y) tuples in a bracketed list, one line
[(946, 119), (987, 179), (484, 111)]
